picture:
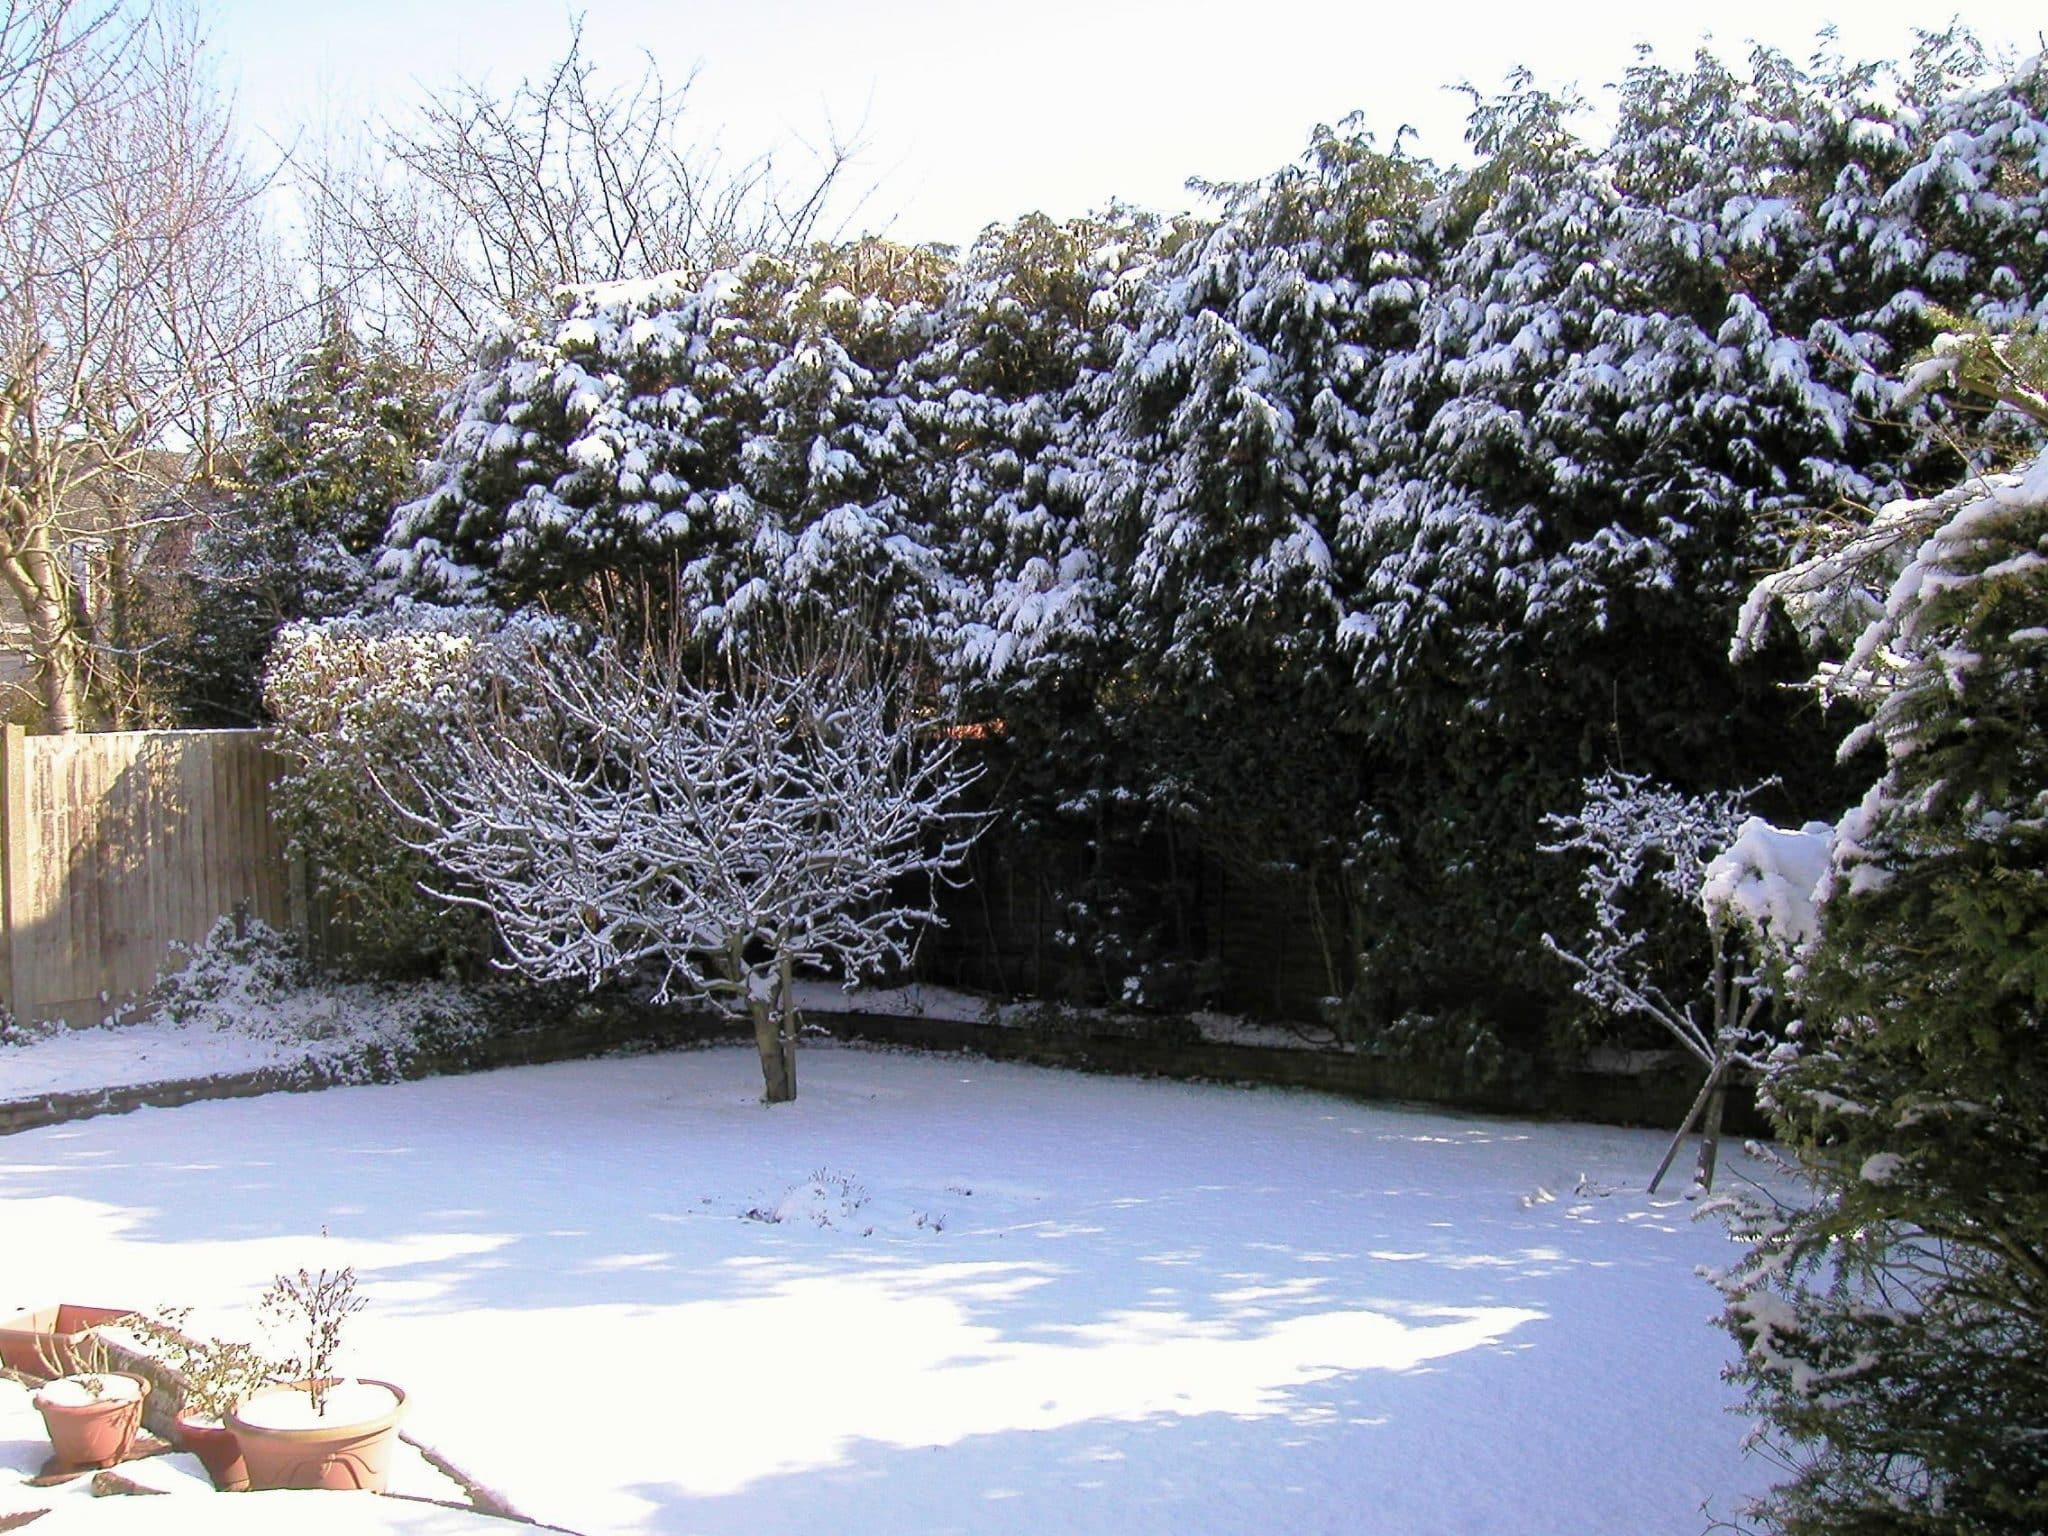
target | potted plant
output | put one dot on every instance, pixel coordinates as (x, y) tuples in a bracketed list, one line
[(91, 1413), (317, 1430), (209, 1376), (53, 1340)]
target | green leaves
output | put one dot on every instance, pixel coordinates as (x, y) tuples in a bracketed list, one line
[(1919, 1096)]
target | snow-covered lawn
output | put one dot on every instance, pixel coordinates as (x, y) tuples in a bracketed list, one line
[(998, 1299)]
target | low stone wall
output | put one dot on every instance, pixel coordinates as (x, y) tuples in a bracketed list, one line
[(570, 1040), (1658, 1098)]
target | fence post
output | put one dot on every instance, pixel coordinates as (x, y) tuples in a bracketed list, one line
[(14, 861)]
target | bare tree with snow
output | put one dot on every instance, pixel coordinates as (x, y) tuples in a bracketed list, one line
[(618, 814), (1644, 845)]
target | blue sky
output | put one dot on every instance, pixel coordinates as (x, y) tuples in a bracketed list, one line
[(975, 110)]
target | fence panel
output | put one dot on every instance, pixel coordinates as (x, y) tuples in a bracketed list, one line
[(120, 844)]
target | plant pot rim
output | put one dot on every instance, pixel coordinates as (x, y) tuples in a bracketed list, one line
[(143, 1385), (36, 1338), (327, 1429)]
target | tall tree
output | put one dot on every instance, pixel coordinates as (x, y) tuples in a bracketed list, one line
[(136, 313), (1232, 428), (293, 530), (738, 437), (1634, 364), (1009, 452), (477, 205)]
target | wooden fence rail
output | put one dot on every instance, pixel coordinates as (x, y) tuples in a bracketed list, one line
[(120, 844)]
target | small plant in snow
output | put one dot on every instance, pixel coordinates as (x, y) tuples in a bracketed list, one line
[(241, 963), (825, 1199), (88, 1362), (17, 1032), (312, 1306)]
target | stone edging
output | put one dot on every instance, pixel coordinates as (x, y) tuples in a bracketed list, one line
[(525, 1047), (1656, 1099), (1659, 1099)]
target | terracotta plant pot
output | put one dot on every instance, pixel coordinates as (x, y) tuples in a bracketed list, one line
[(92, 1432), (51, 1341), (350, 1448), (218, 1448)]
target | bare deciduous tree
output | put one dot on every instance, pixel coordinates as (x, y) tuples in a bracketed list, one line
[(135, 309), (481, 205), (1642, 843), (617, 814)]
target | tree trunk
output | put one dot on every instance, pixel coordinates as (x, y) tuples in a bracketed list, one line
[(1709, 1093), (778, 1085), (790, 1022), (778, 1077), (1710, 1133), (38, 582)]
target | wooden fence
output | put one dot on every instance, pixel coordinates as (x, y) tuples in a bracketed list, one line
[(120, 844)]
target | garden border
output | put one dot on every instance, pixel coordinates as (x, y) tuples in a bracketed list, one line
[(1657, 1098)]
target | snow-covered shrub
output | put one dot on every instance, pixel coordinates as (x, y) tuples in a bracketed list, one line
[(242, 965), (365, 705), (247, 979), (1767, 884), (826, 1199), (737, 432), (14, 1032)]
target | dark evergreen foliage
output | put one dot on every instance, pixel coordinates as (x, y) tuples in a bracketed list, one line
[(1896, 1331), (293, 536), (1333, 543)]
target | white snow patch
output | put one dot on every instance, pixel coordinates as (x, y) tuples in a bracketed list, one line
[(1150, 1308), (1768, 879)]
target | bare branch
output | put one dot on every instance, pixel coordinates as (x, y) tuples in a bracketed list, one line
[(137, 311), (1642, 846), (481, 205), (616, 813)]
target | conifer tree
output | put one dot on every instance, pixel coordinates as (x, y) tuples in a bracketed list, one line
[(737, 441), (324, 464), (1894, 1328), (1232, 427)]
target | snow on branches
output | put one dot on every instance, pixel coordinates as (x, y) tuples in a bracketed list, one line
[(1768, 882), (1892, 1326), (743, 430), (1647, 847), (1636, 838), (631, 817)]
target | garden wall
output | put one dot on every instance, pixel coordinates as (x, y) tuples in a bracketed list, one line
[(1658, 1097)]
